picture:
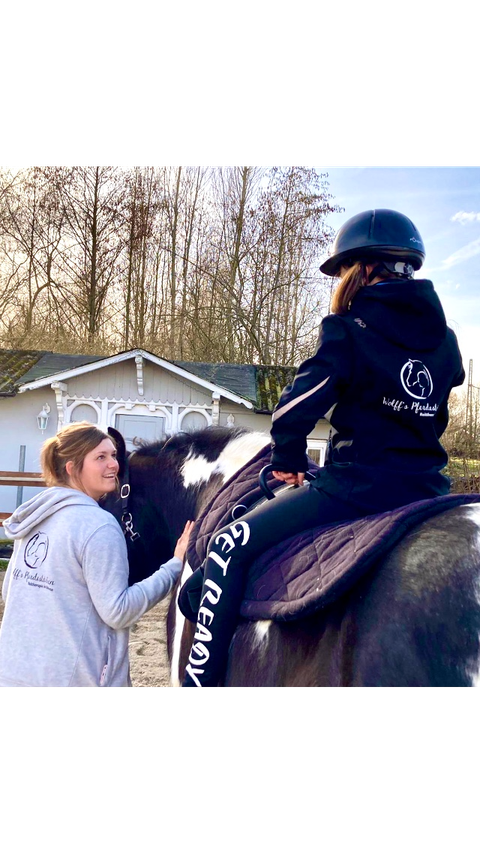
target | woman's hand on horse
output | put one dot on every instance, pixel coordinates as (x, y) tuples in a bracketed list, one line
[(289, 478), (182, 543)]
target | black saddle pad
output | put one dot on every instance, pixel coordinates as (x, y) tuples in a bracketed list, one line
[(311, 570)]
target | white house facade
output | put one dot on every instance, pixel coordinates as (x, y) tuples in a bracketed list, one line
[(140, 394)]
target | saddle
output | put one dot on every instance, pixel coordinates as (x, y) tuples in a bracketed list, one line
[(312, 569)]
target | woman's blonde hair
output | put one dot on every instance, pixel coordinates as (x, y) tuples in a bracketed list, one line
[(70, 444), (355, 277)]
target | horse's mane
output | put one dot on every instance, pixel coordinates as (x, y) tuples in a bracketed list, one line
[(151, 449), (202, 441)]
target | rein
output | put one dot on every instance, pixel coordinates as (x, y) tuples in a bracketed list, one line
[(126, 517)]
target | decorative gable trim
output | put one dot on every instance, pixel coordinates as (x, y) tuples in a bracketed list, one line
[(135, 354)]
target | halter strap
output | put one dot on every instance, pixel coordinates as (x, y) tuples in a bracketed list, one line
[(126, 518)]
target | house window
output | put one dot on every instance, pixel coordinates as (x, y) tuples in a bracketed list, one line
[(193, 420), (84, 412), (316, 449), (140, 427)]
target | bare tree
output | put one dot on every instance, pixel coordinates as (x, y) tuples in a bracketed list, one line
[(32, 227), (139, 211), (214, 264), (266, 293), (91, 198)]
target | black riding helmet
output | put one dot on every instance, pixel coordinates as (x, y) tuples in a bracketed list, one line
[(379, 235)]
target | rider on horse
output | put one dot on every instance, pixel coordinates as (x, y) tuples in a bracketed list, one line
[(381, 376)]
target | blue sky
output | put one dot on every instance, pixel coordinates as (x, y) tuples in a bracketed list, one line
[(444, 204)]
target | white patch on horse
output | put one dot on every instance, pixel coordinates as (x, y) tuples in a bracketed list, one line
[(260, 635), (177, 636), (474, 514), (196, 469)]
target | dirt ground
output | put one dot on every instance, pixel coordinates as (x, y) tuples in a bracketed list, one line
[(148, 646)]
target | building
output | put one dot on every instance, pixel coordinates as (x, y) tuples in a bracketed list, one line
[(140, 394)]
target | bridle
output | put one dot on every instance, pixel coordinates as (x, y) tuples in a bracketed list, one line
[(126, 517), (125, 490)]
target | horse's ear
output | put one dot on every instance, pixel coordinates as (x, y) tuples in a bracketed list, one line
[(122, 454)]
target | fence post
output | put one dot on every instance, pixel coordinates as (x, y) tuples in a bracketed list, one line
[(21, 468)]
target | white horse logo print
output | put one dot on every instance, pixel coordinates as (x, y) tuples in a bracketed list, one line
[(416, 379)]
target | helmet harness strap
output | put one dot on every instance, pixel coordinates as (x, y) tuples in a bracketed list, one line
[(400, 268)]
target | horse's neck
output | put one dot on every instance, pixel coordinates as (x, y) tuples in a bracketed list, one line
[(209, 476), (239, 451)]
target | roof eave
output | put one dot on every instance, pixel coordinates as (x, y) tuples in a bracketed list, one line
[(124, 356)]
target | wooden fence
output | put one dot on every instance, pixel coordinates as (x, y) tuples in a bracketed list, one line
[(19, 478)]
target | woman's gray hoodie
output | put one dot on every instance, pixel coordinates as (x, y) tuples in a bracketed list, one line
[(68, 606)]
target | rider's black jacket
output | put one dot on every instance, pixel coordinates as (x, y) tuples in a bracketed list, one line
[(381, 376)]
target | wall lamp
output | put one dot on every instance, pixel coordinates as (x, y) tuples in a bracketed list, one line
[(42, 417)]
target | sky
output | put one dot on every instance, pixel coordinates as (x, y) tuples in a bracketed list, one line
[(444, 204)]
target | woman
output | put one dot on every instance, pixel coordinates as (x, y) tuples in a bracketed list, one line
[(68, 606), (382, 373)]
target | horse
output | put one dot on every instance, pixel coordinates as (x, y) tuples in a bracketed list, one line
[(170, 482), (412, 620)]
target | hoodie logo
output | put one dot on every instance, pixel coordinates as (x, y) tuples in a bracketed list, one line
[(416, 379), (36, 550), (360, 322)]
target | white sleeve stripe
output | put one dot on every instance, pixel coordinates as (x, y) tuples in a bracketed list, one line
[(293, 402)]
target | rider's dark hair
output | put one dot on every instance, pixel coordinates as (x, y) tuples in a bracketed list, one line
[(355, 277)]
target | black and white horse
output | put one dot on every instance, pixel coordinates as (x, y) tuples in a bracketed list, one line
[(170, 482), (413, 620)]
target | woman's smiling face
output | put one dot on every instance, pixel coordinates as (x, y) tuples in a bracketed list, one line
[(98, 475)]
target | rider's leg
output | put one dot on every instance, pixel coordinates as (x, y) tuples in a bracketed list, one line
[(230, 552)]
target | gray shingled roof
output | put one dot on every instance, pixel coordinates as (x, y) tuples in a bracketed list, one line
[(260, 384), (14, 363), (56, 362), (237, 378)]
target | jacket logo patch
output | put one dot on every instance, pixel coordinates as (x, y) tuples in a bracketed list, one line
[(36, 550), (360, 322), (416, 380)]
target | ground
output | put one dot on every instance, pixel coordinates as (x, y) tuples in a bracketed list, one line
[(148, 648)]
